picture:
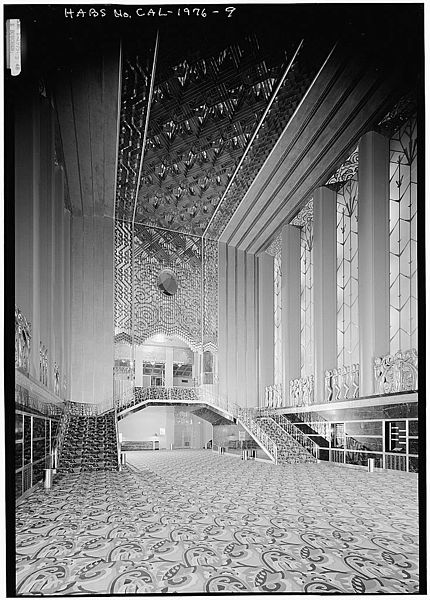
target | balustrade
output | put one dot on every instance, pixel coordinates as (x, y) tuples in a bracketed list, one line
[(83, 409), (22, 342), (298, 435), (396, 373), (342, 383), (302, 391), (25, 399)]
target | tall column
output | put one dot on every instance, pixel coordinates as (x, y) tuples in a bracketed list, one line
[(222, 320), (168, 373), (231, 324), (265, 323), (241, 329), (290, 292), (195, 369), (325, 303), (373, 255), (251, 302)]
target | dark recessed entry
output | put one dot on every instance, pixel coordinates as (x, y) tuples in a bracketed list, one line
[(167, 282)]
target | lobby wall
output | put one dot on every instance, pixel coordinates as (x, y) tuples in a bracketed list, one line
[(42, 237)]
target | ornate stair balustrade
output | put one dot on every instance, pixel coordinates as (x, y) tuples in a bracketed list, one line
[(302, 391), (396, 373), (320, 425), (274, 395), (86, 409), (289, 449), (174, 395), (247, 418), (57, 447), (298, 435), (342, 383)]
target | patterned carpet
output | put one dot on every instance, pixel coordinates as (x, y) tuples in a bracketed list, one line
[(194, 521)]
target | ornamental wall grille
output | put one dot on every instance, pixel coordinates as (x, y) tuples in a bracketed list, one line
[(347, 274), (403, 238), (306, 301), (155, 312), (305, 220), (210, 295), (348, 170)]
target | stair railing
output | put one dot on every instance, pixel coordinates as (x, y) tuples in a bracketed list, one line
[(118, 444), (297, 435), (57, 447), (246, 418)]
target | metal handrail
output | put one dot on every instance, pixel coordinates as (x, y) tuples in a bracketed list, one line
[(245, 417), (118, 445), (84, 409), (59, 441), (297, 435), (320, 425)]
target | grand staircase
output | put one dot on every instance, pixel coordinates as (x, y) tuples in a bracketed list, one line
[(90, 444)]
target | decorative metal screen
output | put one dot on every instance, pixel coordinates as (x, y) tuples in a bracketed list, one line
[(210, 295), (155, 312), (305, 221), (347, 274), (122, 305), (277, 273), (403, 238)]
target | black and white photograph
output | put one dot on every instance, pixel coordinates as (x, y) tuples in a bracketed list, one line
[(214, 248)]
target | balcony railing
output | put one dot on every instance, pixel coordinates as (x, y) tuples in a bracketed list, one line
[(83, 409), (342, 383), (396, 373)]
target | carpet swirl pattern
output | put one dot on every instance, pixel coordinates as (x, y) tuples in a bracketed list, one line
[(194, 521)]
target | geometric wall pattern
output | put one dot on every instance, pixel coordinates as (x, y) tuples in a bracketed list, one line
[(210, 295), (277, 272), (306, 300), (347, 273), (305, 220), (403, 238), (123, 289), (154, 311)]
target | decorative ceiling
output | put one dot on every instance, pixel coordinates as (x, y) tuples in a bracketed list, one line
[(206, 106)]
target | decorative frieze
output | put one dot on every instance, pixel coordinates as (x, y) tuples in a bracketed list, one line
[(22, 341), (43, 364), (396, 373), (342, 383), (56, 378), (346, 171), (302, 391), (274, 396)]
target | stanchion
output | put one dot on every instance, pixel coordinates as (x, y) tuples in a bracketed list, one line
[(123, 458), (47, 480), (221, 450), (370, 465)]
